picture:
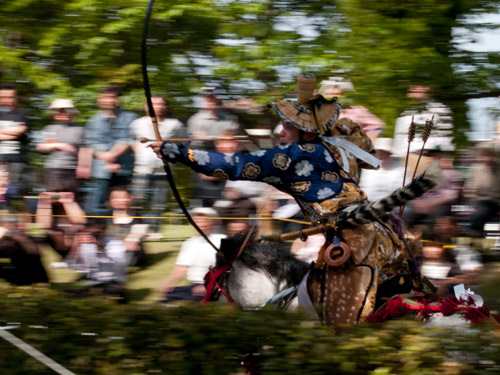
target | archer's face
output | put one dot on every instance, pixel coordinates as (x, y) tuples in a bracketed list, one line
[(289, 134)]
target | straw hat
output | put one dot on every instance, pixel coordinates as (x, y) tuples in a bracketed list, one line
[(63, 104), (203, 211), (310, 113)]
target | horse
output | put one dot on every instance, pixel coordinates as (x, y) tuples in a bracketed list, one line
[(256, 273), (266, 273)]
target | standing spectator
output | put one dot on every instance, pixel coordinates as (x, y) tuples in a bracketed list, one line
[(335, 87), (194, 260), (211, 121), (206, 127), (107, 133), (149, 186), (381, 182), (13, 136), (5, 188), (209, 188), (434, 205), (481, 190), (424, 109), (62, 141)]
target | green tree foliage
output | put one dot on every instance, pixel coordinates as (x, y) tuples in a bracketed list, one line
[(248, 47), (394, 44)]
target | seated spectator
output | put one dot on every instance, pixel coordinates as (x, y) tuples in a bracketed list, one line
[(62, 217), (234, 205), (124, 234), (439, 266), (104, 250), (194, 260), (235, 227), (23, 266), (446, 265)]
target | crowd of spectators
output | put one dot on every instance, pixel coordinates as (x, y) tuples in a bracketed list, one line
[(103, 169)]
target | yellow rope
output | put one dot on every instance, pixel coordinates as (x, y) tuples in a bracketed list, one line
[(163, 217)]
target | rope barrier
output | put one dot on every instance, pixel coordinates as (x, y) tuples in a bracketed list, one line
[(260, 218)]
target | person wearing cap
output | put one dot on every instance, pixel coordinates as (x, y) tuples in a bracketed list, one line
[(194, 260), (62, 141), (318, 164)]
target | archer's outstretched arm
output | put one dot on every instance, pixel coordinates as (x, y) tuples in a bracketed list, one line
[(256, 166)]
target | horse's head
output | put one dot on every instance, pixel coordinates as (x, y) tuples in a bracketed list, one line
[(216, 278), (256, 273)]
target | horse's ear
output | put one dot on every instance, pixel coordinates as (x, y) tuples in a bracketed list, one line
[(229, 247)]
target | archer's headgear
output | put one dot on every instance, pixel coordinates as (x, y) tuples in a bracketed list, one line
[(309, 113)]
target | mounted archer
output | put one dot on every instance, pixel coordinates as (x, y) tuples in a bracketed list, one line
[(318, 164)]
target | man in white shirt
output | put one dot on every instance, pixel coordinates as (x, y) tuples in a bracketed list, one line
[(378, 183), (194, 260), (149, 186)]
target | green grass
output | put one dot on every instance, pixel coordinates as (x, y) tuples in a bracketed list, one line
[(144, 282)]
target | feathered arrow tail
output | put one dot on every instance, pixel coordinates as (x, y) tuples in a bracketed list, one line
[(366, 212)]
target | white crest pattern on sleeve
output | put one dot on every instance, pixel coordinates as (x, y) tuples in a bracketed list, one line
[(328, 157), (201, 157), (304, 168), (171, 149), (325, 193)]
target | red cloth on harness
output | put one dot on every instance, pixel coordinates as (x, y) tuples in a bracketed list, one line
[(398, 306), (211, 280)]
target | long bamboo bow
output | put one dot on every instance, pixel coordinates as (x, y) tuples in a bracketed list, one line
[(147, 93)]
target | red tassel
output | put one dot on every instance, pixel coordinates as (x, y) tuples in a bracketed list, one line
[(393, 308)]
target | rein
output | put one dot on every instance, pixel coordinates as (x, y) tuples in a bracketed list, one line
[(211, 281)]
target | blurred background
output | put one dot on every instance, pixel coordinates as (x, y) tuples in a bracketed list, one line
[(387, 62)]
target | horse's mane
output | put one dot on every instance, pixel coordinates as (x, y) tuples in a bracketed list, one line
[(270, 257)]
